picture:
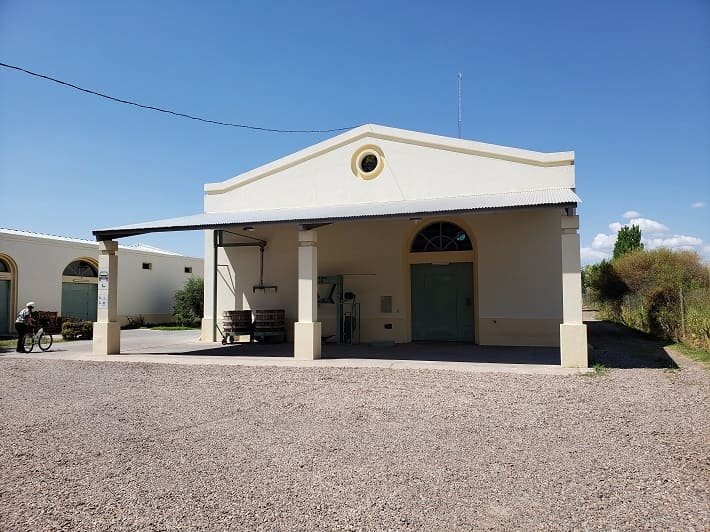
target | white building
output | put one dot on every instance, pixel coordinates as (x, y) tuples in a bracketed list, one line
[(437, 238), (61, 275)]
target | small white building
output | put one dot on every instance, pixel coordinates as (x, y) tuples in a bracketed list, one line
[(435, 238), (61, 275)]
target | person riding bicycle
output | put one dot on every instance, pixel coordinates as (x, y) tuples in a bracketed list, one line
[(23, 324)]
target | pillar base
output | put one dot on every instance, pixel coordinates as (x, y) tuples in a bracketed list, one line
[(573, 345), (306, 340), (107, 338), (206, 335)]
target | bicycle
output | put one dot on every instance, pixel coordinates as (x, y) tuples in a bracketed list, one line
[(42, 339)]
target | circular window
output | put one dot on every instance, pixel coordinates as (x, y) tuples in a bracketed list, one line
[(367, 162)]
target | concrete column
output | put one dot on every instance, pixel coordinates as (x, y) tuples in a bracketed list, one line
[(307, 330), (107, 331), (573, 333), (211, 257)]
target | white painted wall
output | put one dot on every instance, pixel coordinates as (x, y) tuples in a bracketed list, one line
[(410, 172), (41, 260)]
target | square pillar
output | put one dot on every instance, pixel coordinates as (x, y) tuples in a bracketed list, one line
[(107, 331), (573, 332), (307, 330)]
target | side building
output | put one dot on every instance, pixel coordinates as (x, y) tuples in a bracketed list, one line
[(61, 275)]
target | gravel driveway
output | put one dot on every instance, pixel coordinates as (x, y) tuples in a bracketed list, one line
[(124, 446)]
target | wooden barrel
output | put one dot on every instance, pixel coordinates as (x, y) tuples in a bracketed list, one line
[(237, 321), (269, 320)]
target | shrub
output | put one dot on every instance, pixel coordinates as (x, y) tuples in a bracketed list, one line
[(605, 288), (660, 291), (134, 323), (75, 330), (697, 319), (659, 277), (189, 302)]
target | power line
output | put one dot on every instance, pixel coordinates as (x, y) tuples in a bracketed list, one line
[(167, 111)]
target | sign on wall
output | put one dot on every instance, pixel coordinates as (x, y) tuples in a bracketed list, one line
[(103, 290)]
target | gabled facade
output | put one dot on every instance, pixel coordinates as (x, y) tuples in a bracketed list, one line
[(434, 238)]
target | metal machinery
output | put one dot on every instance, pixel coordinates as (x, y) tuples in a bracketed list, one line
[(347, 308)]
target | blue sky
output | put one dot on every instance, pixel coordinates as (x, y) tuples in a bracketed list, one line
[(626, 85)]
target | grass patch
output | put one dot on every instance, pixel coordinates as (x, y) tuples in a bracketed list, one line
[(599, 370), (12, 342), (172, 328), (8, 343), (695, 353)]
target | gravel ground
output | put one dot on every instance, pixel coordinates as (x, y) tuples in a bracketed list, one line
[(148, 446)]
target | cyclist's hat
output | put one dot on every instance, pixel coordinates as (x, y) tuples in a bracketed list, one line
[(30, 304)]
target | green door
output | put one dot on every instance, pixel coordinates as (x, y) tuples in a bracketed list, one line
[(79, 300), (442, 302), (4, 306)]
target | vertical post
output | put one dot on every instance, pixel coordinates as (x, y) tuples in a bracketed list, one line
[(307, 330), (460, 76), (107, 331), (216, 238), (573, 332), (682, 313)]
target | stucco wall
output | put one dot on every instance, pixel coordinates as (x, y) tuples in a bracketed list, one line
[(41, 261), (407, 174), (517, 270)]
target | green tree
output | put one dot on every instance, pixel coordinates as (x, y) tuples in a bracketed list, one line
[(189, 302), (628, 240)]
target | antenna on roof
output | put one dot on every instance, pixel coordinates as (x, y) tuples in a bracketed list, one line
[(460, 78)]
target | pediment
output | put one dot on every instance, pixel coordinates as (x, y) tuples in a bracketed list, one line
[(374, 163)]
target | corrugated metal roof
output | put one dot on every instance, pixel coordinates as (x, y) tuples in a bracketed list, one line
[(331, 213), (31, 234)]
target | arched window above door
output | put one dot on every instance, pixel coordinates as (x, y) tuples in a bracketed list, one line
[(4, 267), (81, 268), (441, 236)]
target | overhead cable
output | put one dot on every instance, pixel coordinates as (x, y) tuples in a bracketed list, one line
[(167, 111)]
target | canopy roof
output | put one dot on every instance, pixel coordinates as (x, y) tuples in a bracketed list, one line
[(562, 197)]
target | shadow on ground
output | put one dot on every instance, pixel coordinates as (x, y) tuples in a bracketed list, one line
[(419, 351), (617, 346)]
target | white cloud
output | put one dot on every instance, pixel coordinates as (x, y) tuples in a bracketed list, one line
[(631, 214), (654, 234), (673, 242), (697, 205), (590, 256), (603, 241), (648, 226)]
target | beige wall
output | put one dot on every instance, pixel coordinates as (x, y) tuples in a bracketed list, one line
[(406, 175), (517, 264), (41, 261)]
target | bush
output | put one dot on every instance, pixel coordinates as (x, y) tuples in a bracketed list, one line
[(662, 292), (604, 287), (697, 319), (134, 323), (189, 302), (77, 330)]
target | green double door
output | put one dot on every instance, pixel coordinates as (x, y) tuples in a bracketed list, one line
[(442, 302), (79, 300), (4, 307)]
